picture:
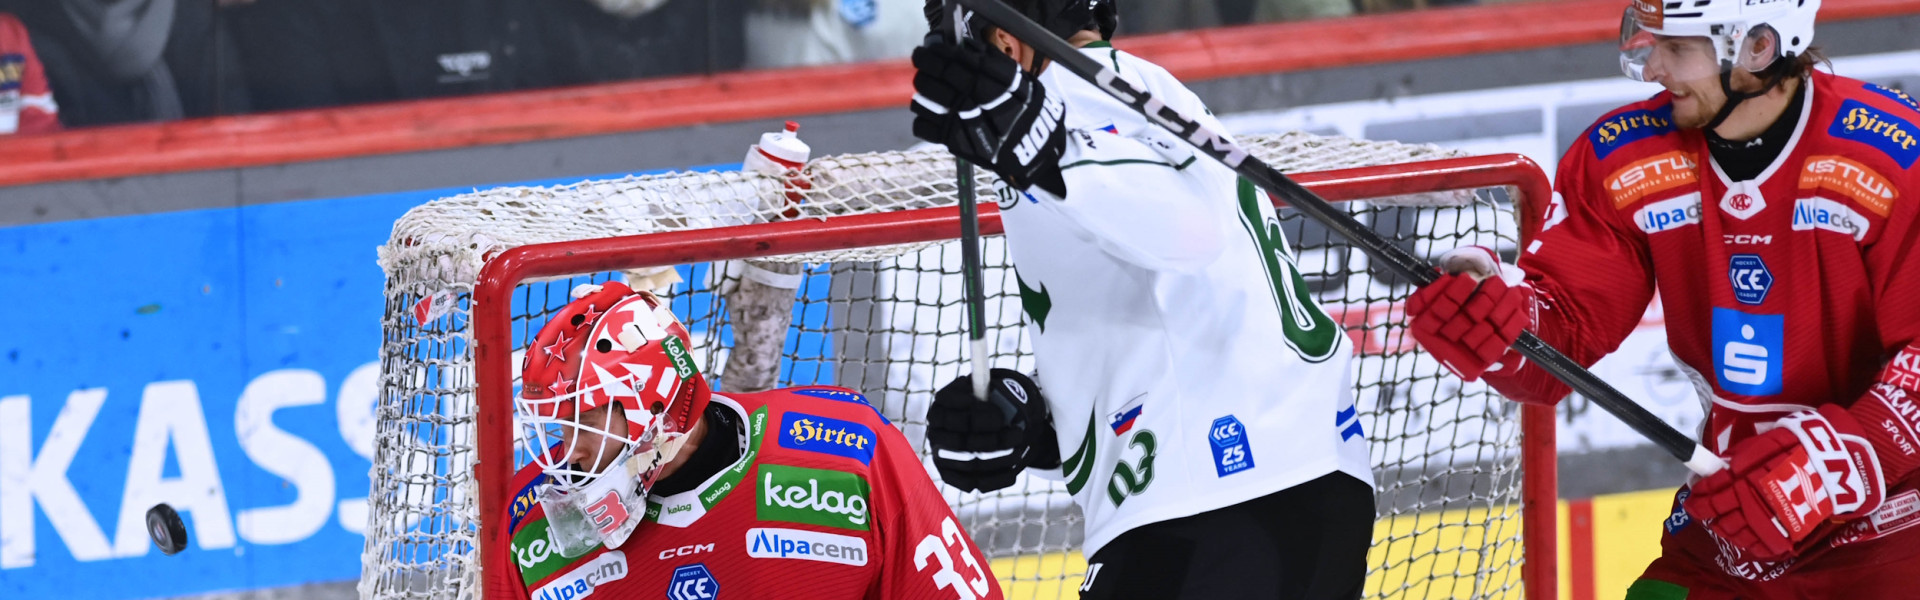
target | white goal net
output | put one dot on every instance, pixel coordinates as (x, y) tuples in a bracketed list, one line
[(888, 320)]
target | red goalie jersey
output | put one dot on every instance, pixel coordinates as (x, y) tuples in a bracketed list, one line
[(1796, 289), (827, 501)]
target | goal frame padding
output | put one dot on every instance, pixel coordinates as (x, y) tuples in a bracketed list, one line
[(504, 272)]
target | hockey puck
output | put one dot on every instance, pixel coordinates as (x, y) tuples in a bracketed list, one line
[(168, 532)]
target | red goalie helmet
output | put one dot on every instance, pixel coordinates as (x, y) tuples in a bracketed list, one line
[(611, 346)]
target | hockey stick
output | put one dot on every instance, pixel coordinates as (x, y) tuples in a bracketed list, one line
[(970, 269), (1223, 149)]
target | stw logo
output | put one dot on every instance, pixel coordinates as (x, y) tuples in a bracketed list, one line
[(1659, 173)]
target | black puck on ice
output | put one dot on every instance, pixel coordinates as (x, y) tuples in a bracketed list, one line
[(168, 532)]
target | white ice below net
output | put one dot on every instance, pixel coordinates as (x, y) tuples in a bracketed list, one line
[(1437, 444)]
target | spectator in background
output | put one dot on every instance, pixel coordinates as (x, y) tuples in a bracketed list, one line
[(119, 61), (790, 33), (26, 105), (310, 53), (591, 41), (1153, 16)]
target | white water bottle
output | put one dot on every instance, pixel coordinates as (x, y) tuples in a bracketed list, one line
[(781, 154)]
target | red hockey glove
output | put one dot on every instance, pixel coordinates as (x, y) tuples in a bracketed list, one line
[(1781, 485), (1468, 318), (1831, 464)]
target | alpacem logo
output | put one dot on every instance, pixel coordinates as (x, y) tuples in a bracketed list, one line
[(580, 583)]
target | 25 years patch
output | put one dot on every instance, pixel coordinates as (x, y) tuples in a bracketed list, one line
[(1231, 453)]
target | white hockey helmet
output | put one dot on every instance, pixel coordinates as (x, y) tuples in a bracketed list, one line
[(1729, 24)]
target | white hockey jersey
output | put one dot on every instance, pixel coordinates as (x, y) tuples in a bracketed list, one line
[(1185, 362)]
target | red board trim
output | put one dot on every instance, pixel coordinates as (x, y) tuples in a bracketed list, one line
[(416, 126)]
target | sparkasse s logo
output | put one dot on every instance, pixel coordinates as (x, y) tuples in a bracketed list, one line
[(1747, 351)]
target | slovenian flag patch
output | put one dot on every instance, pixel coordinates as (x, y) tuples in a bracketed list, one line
[(1122, 422)]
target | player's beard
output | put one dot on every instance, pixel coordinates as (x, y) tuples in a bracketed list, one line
[(1695, 103)]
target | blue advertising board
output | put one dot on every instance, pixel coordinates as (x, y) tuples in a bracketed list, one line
[(224, 361)]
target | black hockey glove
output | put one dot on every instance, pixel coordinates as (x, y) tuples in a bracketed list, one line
[(981, 446), (978, 103)]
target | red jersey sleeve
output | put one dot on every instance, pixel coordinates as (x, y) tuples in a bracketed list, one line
[(37, 111), (1592, 274), (924, 553)]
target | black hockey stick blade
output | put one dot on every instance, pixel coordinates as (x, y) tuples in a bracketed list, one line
[(166, 529), (970, 268), (1224, 149)]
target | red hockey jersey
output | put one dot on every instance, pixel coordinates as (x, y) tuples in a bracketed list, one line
[(26, 103), (1785, 292), (827, 500)]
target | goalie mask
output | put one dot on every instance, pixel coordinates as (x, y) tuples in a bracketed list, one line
[(608, 394)]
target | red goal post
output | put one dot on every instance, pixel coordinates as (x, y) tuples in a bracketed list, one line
[(492, 321)]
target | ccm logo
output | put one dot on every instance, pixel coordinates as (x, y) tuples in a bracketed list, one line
[(1747, 240), (685, 551)]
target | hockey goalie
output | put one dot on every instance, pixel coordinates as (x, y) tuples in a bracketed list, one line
[(644, 481)]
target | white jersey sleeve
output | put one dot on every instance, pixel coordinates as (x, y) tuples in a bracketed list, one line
[(1132, 187), (1184, 359)]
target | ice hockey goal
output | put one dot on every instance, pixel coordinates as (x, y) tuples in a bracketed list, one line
[(861, 284)]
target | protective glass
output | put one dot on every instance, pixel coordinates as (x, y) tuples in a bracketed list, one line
[(1648, 56)]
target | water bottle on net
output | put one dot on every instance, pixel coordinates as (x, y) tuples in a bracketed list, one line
[(781, 154)]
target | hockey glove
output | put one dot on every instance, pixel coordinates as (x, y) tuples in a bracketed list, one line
[(1469, 317), (1834, 463), (984, 108), (981, 445)]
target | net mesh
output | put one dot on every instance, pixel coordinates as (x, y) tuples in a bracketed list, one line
[(890, 322)]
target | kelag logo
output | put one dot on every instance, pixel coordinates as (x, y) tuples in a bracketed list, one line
[(1751, 279), (1877, 128), (801, 431), (1747, 350), (812, 496), (1629, 127)]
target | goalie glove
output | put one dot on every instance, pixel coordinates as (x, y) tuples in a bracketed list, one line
[(981, 445), (983, 107), (1469, 317)]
